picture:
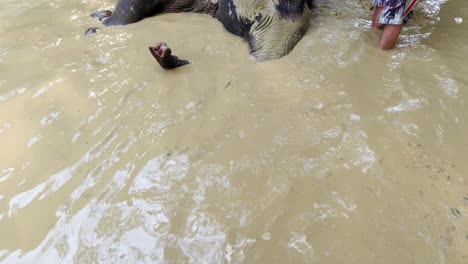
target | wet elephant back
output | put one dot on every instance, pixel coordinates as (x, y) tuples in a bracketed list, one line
[(197, 6), (272, 27), (233, 16), (131, 11)]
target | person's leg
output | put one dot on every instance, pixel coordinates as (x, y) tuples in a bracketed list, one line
[(392, 16), (376, 18), (390, 36)]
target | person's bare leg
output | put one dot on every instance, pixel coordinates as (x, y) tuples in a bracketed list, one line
[(390, 36), (376, 18)]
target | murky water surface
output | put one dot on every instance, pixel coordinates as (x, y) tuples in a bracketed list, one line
[(337, 153)]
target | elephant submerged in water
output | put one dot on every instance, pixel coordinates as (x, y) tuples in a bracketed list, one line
[(271, 27)]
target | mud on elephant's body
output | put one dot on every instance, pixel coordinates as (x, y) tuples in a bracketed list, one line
[(271, 27)]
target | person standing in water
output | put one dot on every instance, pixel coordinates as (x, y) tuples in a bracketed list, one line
[(390, 16)]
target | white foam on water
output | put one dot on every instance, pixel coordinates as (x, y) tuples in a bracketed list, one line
[(299, 243), (46, 87), (50, 118), (34, 140)]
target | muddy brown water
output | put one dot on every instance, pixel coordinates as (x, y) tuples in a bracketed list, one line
[(337, 153)]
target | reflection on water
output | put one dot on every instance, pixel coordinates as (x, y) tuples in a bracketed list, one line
[(336, 153)]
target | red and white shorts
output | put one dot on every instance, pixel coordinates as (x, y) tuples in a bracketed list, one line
[(395, 12)]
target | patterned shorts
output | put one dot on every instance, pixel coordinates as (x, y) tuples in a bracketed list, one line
[(395, 12)]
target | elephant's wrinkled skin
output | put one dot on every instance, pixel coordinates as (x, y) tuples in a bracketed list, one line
[(271, 27)]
